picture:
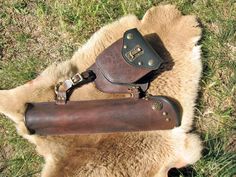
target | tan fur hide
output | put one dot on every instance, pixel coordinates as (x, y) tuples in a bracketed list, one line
[(140, 154)]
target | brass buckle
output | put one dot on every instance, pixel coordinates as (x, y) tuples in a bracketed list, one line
[(61, 88), (134, 91), (76, 78), (134, 53)]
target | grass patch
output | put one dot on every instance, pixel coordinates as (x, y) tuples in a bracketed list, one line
[(18, 157), (216, 160), (34, 34), (15, 73)]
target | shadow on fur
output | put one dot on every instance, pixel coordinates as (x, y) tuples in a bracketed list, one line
[(157, 44), (186, 172)]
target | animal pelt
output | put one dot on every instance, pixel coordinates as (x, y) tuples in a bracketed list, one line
[(138, 154)]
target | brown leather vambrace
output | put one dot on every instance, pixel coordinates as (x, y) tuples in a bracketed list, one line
[(120, 68), (103, 116)]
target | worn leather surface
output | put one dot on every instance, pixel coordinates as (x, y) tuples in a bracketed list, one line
[(115, 69), (102, 116)]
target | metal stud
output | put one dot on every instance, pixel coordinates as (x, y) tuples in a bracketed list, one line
[(129, 36), (151, 62), (167, 119), (140, 63), (125, 46), (157, 105), (164, 113)]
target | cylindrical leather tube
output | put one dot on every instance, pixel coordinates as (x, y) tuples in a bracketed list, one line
[(102, 116)]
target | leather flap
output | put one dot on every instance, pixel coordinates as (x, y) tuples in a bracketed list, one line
[(117, 70)]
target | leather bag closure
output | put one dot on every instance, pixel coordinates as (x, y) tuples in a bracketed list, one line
[(138, 52), (128, 59)]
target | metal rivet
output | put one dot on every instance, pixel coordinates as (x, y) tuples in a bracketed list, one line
[(145, 98), (157, 105), (164, 113), (140, 63), (151, 62), (129, 36), (125, 46), (167, 119)]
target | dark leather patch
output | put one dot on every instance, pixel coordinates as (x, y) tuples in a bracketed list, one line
[(138, 52)]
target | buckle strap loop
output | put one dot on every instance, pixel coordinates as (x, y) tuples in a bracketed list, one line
[(63, 88), (77, 78)]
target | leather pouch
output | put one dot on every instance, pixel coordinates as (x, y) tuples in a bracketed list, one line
[(125, 62)]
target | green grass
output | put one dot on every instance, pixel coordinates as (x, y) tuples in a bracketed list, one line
[(34, 34), (17, 156)]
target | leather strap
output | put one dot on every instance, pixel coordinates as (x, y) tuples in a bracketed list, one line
[(63, 89)]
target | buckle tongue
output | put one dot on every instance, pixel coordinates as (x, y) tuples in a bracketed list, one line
[(134, 53), (77, 78)]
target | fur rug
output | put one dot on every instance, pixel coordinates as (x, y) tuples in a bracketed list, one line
[(139, 154)]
